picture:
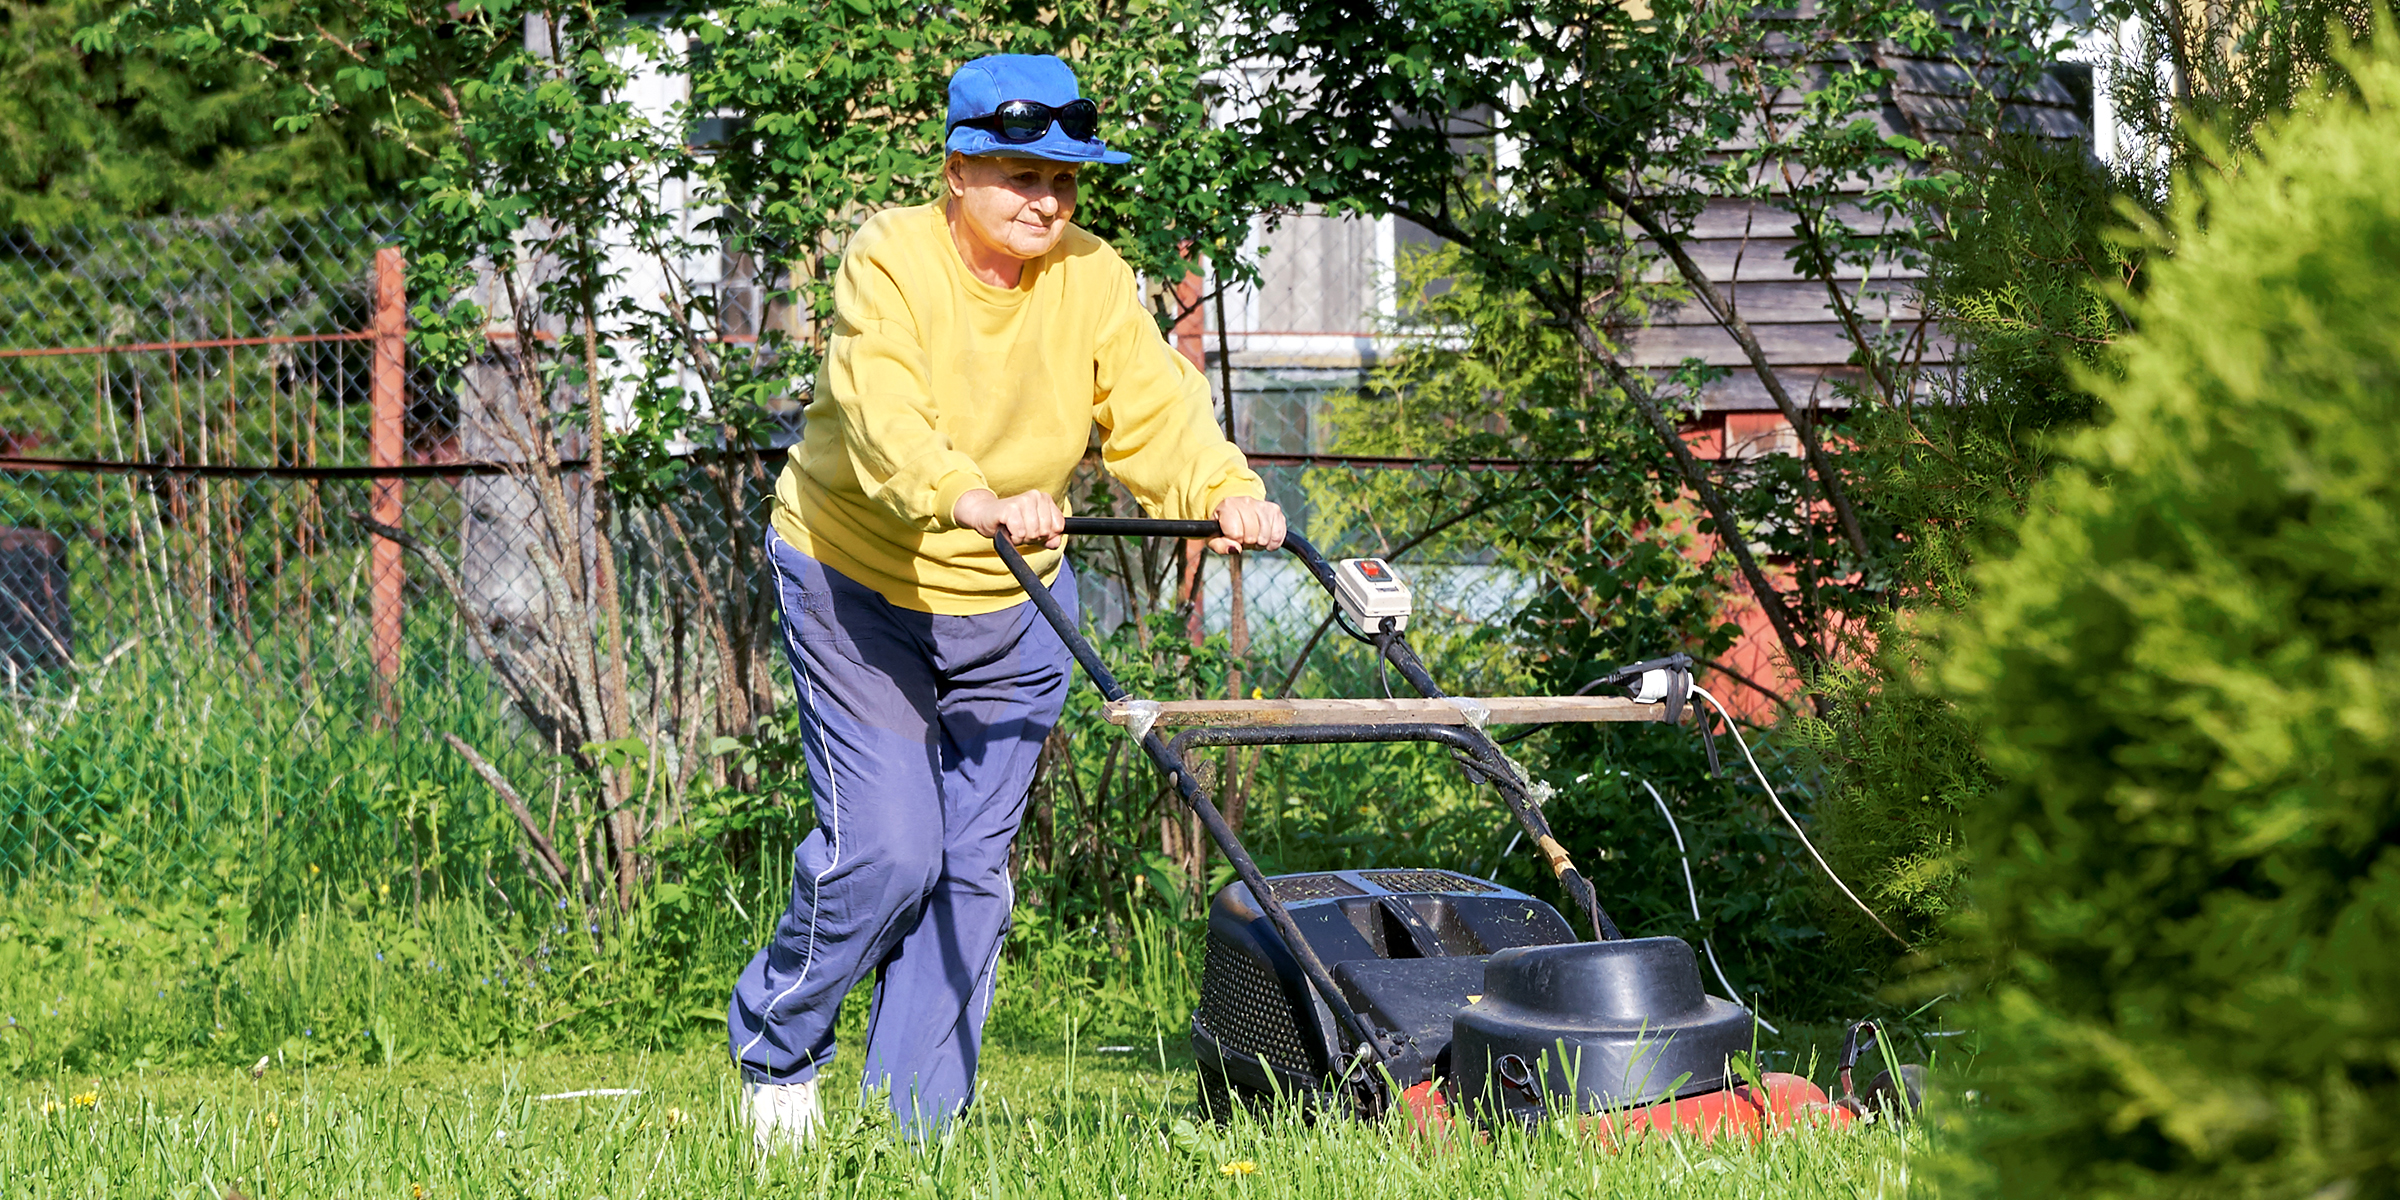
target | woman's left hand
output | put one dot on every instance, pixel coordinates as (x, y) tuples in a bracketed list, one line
[(1250, 523)]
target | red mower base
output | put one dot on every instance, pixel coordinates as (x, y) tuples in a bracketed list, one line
[(1738, 1111)]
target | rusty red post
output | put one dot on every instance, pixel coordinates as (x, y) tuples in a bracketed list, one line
[(384, 449), (1191, 337), (1191, 325)]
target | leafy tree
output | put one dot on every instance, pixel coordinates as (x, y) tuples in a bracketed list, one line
[(1566, 147), (2023, 279), (1593, 519), (1566, 150), (103, 116), (1593, 513), (2188, 880), (554, 207)]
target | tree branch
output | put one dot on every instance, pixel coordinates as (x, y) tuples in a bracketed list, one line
[(1837, 496), (544, 853), (1729, 532), (513, 671)]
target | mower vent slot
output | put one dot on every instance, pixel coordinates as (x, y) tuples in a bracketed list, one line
[(1425, 881), (1245, 1006), (1295, 888)]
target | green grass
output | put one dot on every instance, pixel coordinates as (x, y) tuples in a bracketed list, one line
[(1051, 1123), (175, 904)]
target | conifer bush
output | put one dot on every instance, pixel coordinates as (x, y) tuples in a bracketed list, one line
[(2187, 677), (2020, 280)]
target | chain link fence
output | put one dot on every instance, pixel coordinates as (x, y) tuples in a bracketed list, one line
[(203, 421)]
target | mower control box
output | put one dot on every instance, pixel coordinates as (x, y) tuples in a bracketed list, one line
[(1370, 594)]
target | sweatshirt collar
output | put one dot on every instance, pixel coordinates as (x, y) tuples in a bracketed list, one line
[(998, 297)]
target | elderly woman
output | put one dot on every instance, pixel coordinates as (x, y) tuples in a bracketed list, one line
[(976, 345)]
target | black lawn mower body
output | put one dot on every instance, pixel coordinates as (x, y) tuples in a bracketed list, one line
[(1349, 988), (1471, 983)]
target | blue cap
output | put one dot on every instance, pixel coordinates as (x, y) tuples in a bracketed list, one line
[(982, 86)]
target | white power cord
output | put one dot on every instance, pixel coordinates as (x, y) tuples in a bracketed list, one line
[(1777, 801), (1693, 890)]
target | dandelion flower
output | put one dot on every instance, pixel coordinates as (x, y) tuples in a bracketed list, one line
[(677, 1118), (416, 1191), (84, 1099), (51, 1106), (1241, 1166), (273, 1121)]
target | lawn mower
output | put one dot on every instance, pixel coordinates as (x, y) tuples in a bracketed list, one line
[(1419, 988)]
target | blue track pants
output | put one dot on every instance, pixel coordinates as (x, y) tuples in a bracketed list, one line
[(921, 734)]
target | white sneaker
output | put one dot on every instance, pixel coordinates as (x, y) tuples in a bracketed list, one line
[(783, 1116)]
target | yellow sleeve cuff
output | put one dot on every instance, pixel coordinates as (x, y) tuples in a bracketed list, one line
[(1227, 489), (947, 492)]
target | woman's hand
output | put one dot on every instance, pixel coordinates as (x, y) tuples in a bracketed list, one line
[(1029, 516), (1250, 523)]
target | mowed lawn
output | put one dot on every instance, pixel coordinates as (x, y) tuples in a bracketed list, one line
[(1052, 1124)]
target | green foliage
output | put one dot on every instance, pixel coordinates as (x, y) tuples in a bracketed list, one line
[(1479, 371), (2188, 882), (2025, 281), (2027, 277), (1568, 149), (1090, 853), (532, 159), (2190, 84), (103, 121), (1595, 530)]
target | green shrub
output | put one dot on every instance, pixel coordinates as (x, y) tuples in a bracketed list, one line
[(2019, 282), (2184, 674)]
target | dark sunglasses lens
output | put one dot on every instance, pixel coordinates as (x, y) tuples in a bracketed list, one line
[(1080, 119), (1023, 121)]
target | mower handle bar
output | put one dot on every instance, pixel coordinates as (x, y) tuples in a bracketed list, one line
[(1298, 546), (1394, 649), (1143, 527), (1482, 752), (1153, 527), (1169, 759)]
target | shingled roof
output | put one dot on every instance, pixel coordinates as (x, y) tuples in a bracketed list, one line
[(1743, 246)]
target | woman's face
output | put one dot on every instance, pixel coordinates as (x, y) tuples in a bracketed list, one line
[(1014, 208)]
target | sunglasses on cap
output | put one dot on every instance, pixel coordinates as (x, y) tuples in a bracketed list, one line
[(1017, 122)]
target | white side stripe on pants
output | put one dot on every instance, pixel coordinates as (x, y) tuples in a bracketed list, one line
[(831, 813)]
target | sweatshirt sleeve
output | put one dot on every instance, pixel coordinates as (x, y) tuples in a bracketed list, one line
[(1158, 433), (878, 376)]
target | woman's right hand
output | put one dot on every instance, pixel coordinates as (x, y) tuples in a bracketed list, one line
[(1029, 516)]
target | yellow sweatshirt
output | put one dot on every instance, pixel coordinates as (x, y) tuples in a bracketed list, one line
[(936, 383)]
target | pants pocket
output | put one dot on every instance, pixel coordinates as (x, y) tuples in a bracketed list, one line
[(804, 595)]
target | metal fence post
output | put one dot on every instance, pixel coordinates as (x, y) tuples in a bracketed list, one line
[(385, 450)]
